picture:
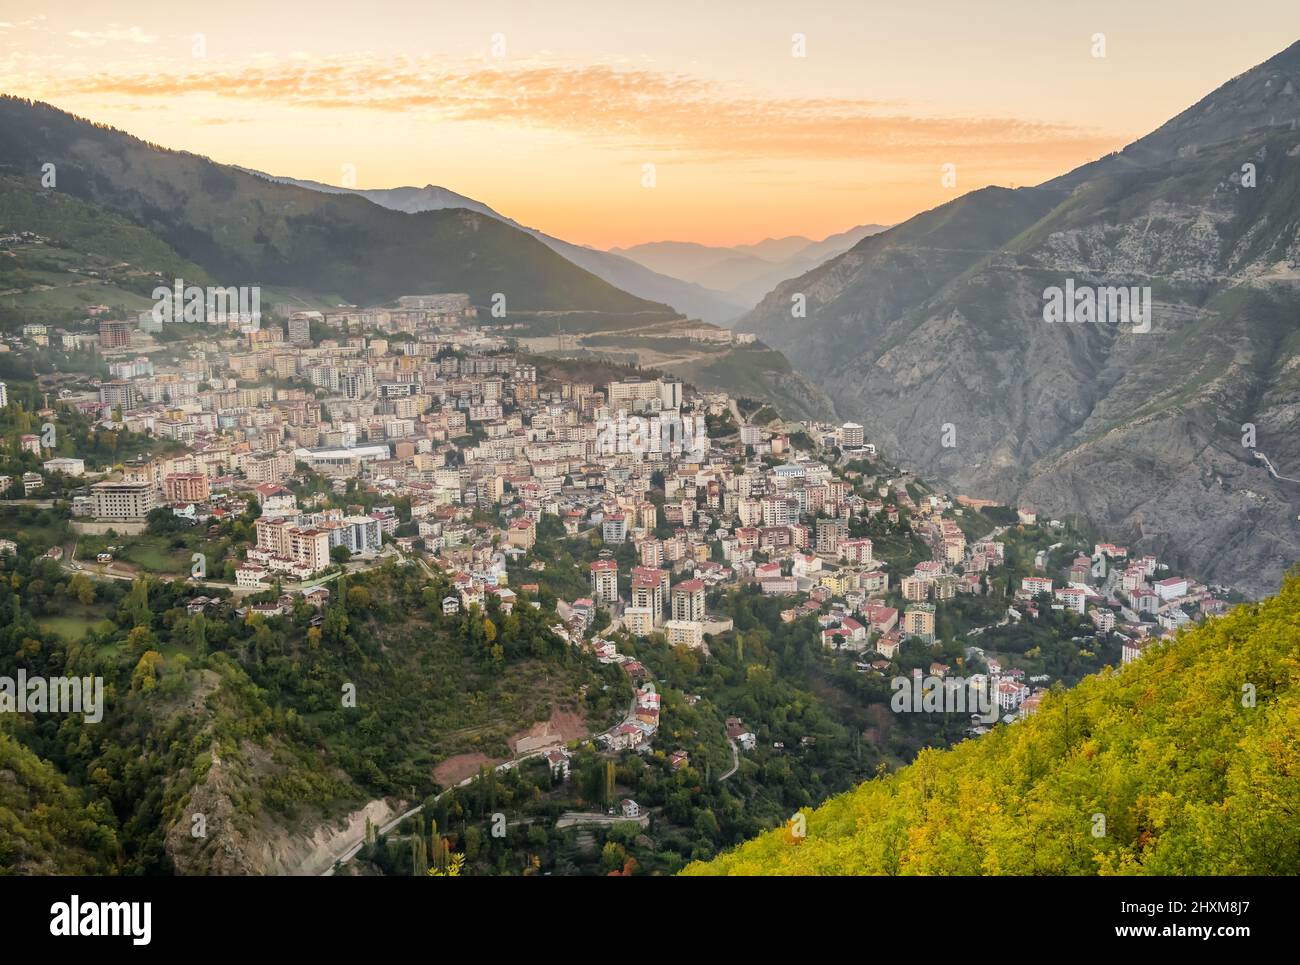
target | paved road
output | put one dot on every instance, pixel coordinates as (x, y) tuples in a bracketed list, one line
[(127, 573), (1269, 465), (579, 819), (105, 571), (355, 848)]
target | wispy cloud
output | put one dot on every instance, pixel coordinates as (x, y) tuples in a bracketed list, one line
[(113, 34), (645, 109)]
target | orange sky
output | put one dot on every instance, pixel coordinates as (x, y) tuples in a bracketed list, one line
[(550, 112)]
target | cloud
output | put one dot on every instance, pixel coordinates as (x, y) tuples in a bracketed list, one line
[(114, 34), (644, 109)]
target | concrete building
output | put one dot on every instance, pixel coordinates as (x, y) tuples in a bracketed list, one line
[(120, 394), (66, 465), (114, 334), (604, 581), (186, 487), (299, 329), (684, 633), (613, 528), (830, 533), (632, 394), (639, 620), (310, 547), (650, 591), (122, 500), (341, 460), (918, 621), (688, 600)]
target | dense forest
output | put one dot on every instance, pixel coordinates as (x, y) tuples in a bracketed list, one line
[(1185, 762), (260, 720)]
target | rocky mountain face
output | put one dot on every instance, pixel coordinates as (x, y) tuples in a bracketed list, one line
[(966, 339)]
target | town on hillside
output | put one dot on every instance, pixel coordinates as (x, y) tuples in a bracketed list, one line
[(353, 434), (261, 463)]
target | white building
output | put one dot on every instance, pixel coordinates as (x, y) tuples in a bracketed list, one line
[(684, 633), (251, 576), (1171, 589), (66, 465)]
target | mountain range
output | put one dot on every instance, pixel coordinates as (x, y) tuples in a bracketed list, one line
[(693, 300), (714, 284), (934, 335), (1180, 439), (744, 273), (247, 229)]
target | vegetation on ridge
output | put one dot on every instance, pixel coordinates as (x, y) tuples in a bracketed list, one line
[(1186, 762)]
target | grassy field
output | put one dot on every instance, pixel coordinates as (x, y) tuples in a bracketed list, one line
[(76, 619), (154, 554)]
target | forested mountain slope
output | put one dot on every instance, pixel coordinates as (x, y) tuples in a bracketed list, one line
[(1185, 762)]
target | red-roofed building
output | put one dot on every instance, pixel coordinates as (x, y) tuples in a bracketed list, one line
[(604, 581), (688, 600)]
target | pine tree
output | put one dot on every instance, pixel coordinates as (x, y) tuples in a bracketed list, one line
[(419, 856)]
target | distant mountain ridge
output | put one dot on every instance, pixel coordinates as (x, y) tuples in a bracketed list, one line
[(695, 301), (245, 229), (939, 322), (745, 272)]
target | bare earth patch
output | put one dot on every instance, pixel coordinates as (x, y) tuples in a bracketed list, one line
[(455, 769), (560, 728)]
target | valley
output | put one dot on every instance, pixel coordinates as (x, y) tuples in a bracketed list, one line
[(939, 534)]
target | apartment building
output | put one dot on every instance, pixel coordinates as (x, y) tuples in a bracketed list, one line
[(650, 591), (918, 621), (310, 547), (122, 500), (688, 601), (186, 487), (830, 534), (604, 581)]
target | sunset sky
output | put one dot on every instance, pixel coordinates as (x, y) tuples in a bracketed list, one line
[(748, 140)]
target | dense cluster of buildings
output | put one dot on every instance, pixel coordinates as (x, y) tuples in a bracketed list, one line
[(413, 405)]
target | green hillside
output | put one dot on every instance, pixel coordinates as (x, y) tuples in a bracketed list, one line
[(243, 719), (88, 256), (758, 372), (45, 828), (941, 320), (1190, 779), (245, 229), (86, 228)]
